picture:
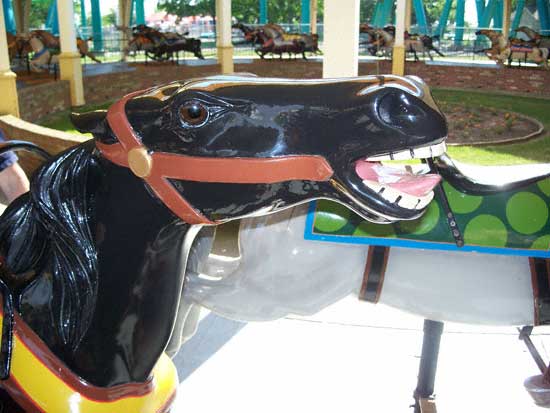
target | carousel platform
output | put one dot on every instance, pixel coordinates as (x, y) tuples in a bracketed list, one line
[(352, 357)]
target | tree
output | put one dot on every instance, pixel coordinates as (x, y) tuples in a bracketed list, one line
[(39, 12)]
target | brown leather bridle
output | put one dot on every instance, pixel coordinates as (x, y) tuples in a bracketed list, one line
[(156, 168)]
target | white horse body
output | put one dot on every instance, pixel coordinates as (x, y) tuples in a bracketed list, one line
[(278, 273)]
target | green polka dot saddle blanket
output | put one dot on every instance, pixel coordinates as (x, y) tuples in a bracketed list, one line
[(496, 209)]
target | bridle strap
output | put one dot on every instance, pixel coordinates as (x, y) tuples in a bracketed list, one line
[(166, 166)]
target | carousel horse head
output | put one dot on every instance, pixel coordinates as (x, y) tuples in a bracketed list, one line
[(226, 147)]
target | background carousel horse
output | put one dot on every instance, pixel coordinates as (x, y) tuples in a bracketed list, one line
[(43, 58), (278, 46), (94, 257), (52, 42), (539, 40), (383, 40), (311, 41), (248, 32), (161, 46), (503, 50)]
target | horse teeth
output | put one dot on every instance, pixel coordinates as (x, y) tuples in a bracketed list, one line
[(412, 153), (408, 202), (425, 201), (402, 199)]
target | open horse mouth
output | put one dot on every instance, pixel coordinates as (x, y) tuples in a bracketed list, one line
[(399, 185)]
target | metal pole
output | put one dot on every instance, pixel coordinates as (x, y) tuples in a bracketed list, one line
[(428, 360), (480, 8), (97, 31)]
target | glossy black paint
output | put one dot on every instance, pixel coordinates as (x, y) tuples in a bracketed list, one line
[(254, 118), (96, 261)]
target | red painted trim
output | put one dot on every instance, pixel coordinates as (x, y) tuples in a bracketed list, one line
[(203, 169), (20, 396)]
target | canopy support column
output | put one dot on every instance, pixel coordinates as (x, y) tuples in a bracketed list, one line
[(313, 16), (223, 35), (70, 67), (341, 38), (9, 104), (506, 15), (398, 59)]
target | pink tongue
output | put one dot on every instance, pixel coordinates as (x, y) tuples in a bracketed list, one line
[(399, 179)]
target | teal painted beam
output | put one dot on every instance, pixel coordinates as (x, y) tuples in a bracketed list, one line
[(376, 15), (132, 20), (263, 11), (459, 22), (542, 7), (497, 18), (480, 8), (387, 8), (420, 13), (97, 30), (488, 14), (52, 20), (83, 18), (140, 12), (517, 16), (305, 16), (9, 17), (444, 18)]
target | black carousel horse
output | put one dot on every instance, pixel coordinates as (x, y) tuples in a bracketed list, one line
[(93, 258)]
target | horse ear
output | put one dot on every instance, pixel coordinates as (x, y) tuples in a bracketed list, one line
[(95, 123), (89, 122)]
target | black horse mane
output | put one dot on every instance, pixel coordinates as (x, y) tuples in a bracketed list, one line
[(46, 232)]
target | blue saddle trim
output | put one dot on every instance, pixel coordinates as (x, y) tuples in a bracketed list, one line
[(309, 235), (40, 53)]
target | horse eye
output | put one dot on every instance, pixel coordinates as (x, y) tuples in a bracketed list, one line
[(193, 113)]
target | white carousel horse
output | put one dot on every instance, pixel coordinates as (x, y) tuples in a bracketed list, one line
[(42, 58)]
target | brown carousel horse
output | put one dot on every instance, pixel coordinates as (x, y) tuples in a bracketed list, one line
[(18, 46), (535, 37), (277, 33), (161, 46), (278, 46), (52, 42), (504, 50), (383, 40)]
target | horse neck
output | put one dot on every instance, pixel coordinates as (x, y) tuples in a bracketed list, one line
[(141, 267)]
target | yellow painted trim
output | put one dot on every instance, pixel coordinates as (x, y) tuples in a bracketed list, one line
[(53, 395), (9, 102), (225, 59), (398, 61), (70, 69)]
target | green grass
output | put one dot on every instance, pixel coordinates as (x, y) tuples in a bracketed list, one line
[(534, 151)]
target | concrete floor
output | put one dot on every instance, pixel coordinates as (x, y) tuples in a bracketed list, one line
[(352, 357)]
